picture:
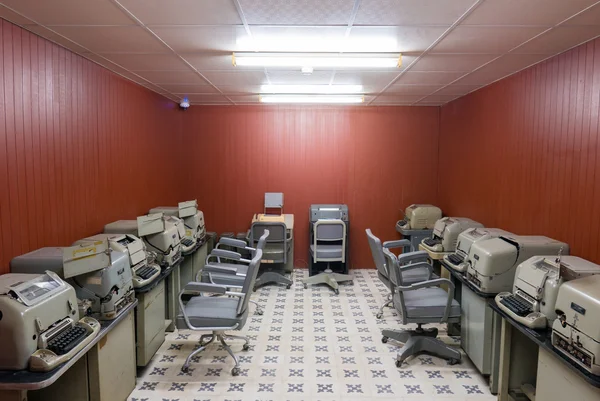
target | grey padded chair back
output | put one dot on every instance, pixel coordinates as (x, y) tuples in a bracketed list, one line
[(378, 255), (277, 241), (251, 275), (325, 231), (330, 230), (262, 241)]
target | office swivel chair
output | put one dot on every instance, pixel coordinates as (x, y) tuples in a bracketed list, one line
[(229, 274), (217, 314), (327, 232), (420, 270), (421, 303), (276, 250)]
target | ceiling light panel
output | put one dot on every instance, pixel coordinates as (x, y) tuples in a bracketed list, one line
[(312, 99), (306, 12), (408, 39), (411, 12), (364, 61), (312, 89)]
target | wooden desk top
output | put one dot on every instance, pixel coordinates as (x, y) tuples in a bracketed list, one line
[(287, 219)]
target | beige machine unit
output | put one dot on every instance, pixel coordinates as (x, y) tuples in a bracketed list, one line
[(420, 217)]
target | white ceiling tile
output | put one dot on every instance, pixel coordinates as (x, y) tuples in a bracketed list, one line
[(452, 62), (305, 12), (172, 77), (529, 12), (485, 39), (560, 39), (208, 99), (70, 12), (428, 78), (420, 90), (192, 39), (396, 99), (588, 17), (296, 38), (116, 39), (213, 61), (240, 89), (236, 78), (457, 89), (500, 68), (411, 12), (435, 98), (184, 12), (14, 17), (56, 38), (297, 78), (377, 79), (147, 62), (185, 89), (407, 38), (428, 104)]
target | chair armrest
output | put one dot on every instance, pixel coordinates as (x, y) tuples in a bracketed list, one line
[(236, 243), (417, 256), (221, 253), (215, 268), (401, 243), (434, 283), (205, 287), (420, 265)]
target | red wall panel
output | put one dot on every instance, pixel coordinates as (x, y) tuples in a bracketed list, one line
[(79, 146), (377, 160), (522, 154)]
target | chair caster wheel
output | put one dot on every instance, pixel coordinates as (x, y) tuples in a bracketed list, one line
[(384, 339), (235, 371), (305, 286), (398, 364), (379, 316), (288, 286), (453, 361), (259, 312), (246, 347), (337, 292), (185, 369)]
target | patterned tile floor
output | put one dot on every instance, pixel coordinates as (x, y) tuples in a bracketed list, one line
[(309, 345)]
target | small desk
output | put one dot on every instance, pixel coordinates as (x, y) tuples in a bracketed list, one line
[(516, 344), (15, 384), (414, 236)]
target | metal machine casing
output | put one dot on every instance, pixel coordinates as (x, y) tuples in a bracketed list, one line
[(576, 332), (18, 332), (494, 261), (165, 243), (465, 240), (446, 230), (318, 212), (420, 216), (110, 289)]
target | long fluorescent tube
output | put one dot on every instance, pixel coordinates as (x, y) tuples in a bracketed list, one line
[(281, 39), (320, 89), (327, 99), (316, 61)]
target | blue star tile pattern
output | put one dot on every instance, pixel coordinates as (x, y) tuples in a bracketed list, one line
[(378, 373), (350, 373), (214, 372), (324, 387), (442, 389), (268, 373), (434, 374), (406, 374), (295, 387), (323, 372), (472, 389), (158, 371), (413, 388), (461, 374), (208, 387), (178, 386), (150, 386), (296, 359), (235, 387), (296, 373), (354, 388), (266, 387), (384, 389)]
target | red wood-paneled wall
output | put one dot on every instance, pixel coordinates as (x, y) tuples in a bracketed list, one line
[(376, 160), (79, 146), (522, 154)]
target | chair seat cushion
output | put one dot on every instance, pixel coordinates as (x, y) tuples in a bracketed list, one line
[(426, 302), (274, 252), (214, 312), (327, 251)]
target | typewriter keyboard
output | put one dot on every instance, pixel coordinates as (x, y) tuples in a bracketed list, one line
[(432, 241), (187, 242), (145, 272), (517, 305), (455, 259), (67, 340)]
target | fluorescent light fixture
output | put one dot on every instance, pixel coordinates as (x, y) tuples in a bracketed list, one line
[(279, 39), (306, 99), (320, 89), (316, 60)]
